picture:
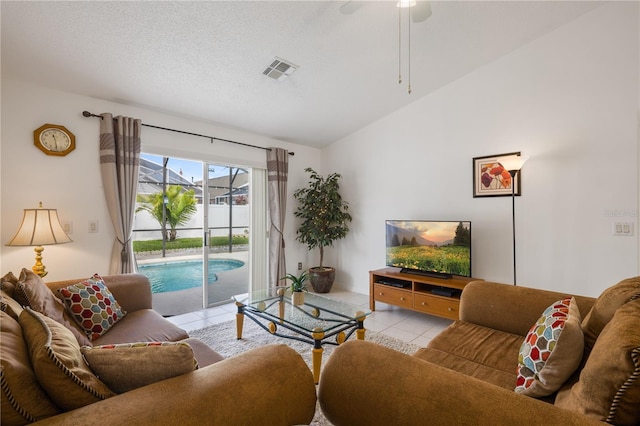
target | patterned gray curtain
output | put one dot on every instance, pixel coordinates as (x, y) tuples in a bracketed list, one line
[(119, 164), (277, 171)]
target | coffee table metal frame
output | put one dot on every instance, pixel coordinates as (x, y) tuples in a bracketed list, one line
[(341, 326)]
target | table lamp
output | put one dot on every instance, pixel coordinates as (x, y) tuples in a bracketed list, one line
[(39, 227)]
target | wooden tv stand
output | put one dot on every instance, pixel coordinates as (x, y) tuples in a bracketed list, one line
[(434, 296)]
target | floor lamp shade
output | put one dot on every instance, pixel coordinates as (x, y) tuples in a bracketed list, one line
[(39, 227), (513, 162)]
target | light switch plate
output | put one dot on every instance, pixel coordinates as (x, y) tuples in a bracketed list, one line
[(623, 229), (67, 227)]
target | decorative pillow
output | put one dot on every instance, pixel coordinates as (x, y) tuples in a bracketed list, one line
[(8, 284), (606, 306), (58, 363), (551, 351), (9, 305), (127, 366), (92, 305), (609, 385), (22, 399), (33, 292)]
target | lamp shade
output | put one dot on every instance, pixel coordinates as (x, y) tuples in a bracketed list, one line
[(39, 227), (406, 3), (513, 162)]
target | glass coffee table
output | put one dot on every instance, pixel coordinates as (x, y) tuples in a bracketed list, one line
[(317, 320)]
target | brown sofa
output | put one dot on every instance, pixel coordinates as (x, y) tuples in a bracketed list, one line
[(467, 374), (252, 388)]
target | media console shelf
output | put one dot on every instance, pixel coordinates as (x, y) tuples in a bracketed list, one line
[(434, 296)]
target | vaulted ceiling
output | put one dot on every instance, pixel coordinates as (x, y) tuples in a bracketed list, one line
[(205, 60)]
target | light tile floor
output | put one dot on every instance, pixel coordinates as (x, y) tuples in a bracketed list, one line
[(403, 324)]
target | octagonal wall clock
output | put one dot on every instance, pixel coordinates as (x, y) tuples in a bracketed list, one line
[(53, 139)]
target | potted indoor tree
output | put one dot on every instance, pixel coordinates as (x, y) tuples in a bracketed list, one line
[(325, 217)]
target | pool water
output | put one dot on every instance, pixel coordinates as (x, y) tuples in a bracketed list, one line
[(183, 275)]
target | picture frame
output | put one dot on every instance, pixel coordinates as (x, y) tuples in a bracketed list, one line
[(490, 179)]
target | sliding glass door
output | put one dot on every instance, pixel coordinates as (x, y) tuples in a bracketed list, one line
[(227, 218), (191, 232)]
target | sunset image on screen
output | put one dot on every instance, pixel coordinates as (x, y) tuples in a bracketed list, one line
[(429, 246)]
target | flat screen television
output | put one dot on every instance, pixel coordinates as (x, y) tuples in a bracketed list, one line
[(435, 248)]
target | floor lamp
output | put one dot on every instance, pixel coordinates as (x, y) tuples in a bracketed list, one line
[(513, 164)]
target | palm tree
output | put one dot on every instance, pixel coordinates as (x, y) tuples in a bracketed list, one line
[(180, 206)]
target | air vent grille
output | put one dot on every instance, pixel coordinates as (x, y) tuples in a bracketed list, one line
[(280, 69)]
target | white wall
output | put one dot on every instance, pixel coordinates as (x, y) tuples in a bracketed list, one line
[(72, 184), (568, 100)]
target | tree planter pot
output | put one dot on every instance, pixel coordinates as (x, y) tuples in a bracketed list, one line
[(322, 279)]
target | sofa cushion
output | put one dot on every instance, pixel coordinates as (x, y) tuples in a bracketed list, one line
[(202, 352), (128, 366), (551, 351), (145, 325), (606, 306), (33, 292), (609, 385), (92, 306), (58, 363), (23, 400), (484, 353)]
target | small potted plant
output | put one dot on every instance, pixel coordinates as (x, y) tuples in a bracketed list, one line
[(324, 218), (297, 287)]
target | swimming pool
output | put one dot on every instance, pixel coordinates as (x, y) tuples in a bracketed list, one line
[(182, 275)]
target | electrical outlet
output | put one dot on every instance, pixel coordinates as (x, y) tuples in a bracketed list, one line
[(299, 266)]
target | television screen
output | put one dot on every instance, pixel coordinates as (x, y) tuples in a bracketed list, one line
[(433, 248)]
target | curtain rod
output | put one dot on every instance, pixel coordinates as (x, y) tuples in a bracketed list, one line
[(211, 138)]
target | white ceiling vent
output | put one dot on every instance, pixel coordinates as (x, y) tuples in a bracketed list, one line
[(280, 69)]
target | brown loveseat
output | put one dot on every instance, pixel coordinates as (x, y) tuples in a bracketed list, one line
[(252, 388), (467, 374)]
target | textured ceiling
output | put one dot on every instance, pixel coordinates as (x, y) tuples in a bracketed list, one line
[(204, 60)]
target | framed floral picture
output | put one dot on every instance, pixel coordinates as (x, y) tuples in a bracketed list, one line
[(490, 179)]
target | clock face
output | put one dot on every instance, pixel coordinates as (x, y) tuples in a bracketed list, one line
[(53, 139)]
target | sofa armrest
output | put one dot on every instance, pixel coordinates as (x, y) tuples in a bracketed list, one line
[(271, 385), (364, 384), (509, 308), (132, 291)]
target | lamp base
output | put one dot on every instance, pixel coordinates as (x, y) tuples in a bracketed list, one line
[(39, 268)]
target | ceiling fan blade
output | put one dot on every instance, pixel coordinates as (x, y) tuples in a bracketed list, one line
[(421, 11), (350, 6)]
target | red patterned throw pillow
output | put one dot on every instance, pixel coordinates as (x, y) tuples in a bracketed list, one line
[(92, 306), (551, 351)]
